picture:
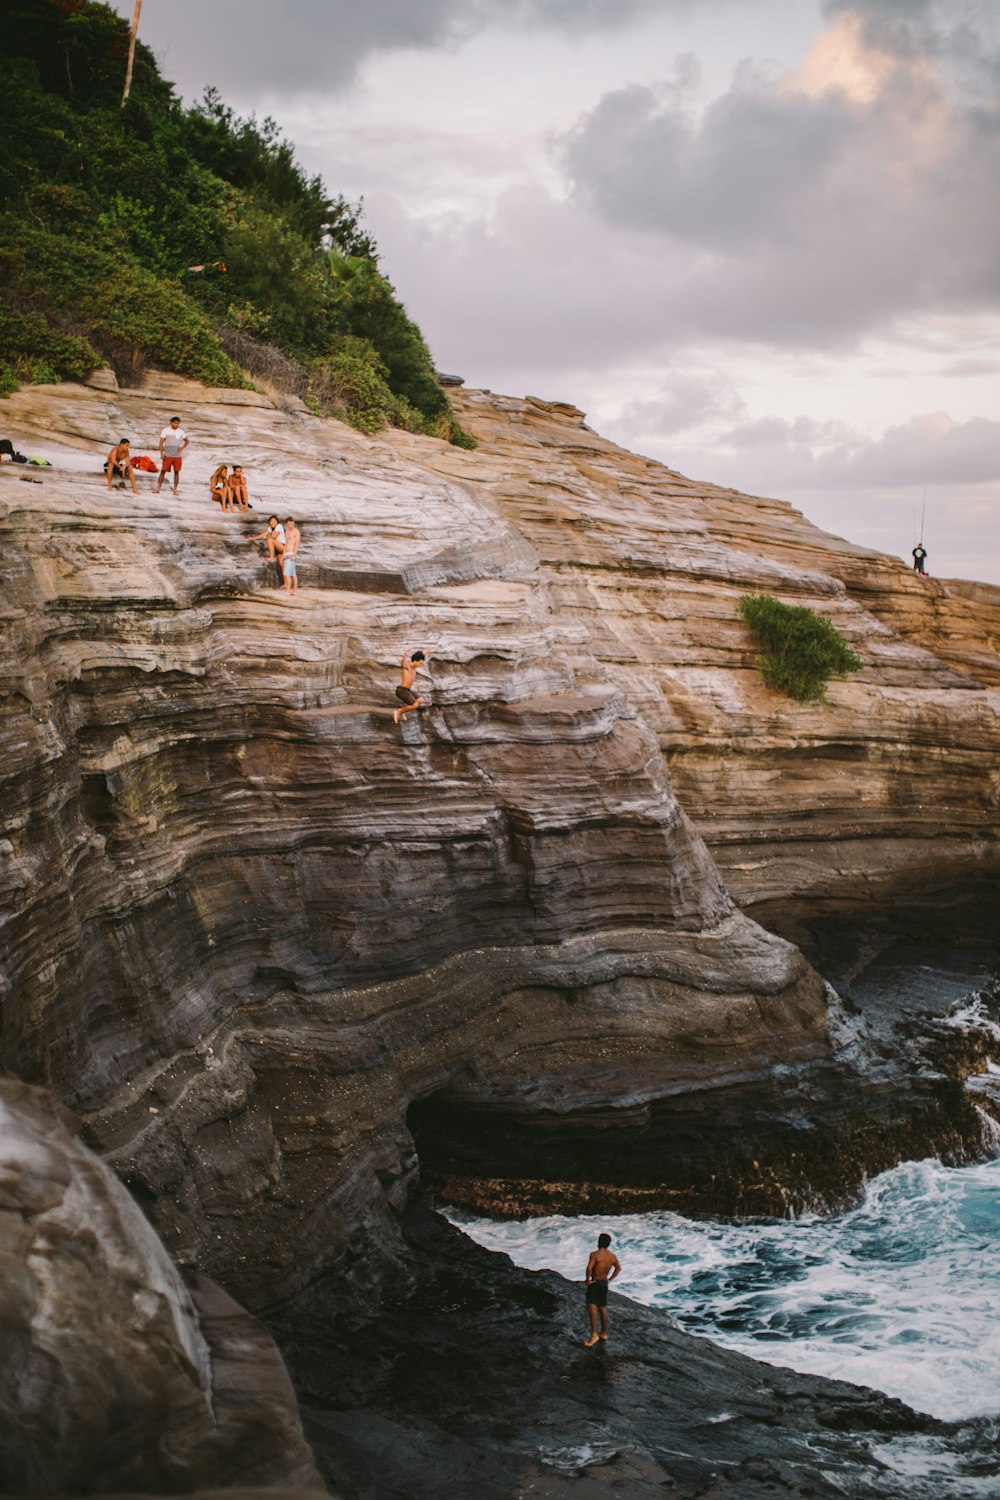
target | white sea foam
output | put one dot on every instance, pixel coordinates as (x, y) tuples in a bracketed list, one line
[(901, 1294)]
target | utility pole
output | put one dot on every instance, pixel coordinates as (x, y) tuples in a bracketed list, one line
[(131, 51)]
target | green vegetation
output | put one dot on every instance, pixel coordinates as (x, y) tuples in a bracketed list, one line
[(798, 650), (183, 239)]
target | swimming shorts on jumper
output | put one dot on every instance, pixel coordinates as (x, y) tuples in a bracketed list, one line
[(406, 695), (597, 1293)]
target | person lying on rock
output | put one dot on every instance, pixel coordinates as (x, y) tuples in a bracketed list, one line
[(120, 463), (218, 486), (289, 567), (238, 488), (602, 1268), (274, 536), (411, 665)]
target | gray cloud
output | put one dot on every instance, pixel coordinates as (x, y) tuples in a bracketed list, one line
[(962, 36), (805, 217), (308, 46), (928, 449), (684, 402), (751, 167)]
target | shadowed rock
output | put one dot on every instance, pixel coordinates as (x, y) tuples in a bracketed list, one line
[(114, 1374)]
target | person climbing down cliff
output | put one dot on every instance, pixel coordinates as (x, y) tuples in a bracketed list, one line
[(601, 1262), (411, 664), (919, 558)]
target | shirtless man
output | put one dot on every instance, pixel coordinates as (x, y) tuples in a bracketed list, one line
[(602, 1267), (410, 664), (288, 562), (119, 462)]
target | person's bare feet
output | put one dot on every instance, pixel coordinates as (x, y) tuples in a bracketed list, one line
[(589, 1343), (395, 715), (603, 1338)]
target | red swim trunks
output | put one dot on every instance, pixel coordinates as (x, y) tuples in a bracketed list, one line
[(170, 465)]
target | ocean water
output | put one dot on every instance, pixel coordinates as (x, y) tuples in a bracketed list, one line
[(901, 1293)]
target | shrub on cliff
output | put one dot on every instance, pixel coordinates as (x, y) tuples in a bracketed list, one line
[(150, 228), (798, 651), (31, 349)]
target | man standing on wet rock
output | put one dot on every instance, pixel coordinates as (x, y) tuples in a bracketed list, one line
[(602, 1268)]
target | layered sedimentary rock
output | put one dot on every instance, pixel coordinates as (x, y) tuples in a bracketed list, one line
[(887, 789), (239, 895), (115, 1375), (257, 936)]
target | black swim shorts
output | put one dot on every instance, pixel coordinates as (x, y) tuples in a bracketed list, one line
[(405, 694), (597, 1293)]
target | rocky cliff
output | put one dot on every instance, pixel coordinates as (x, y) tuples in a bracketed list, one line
[(261, 940)]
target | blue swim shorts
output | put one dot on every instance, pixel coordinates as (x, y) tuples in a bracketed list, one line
[(288, 567)]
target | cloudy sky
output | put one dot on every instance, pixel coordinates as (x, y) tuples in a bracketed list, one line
[(756, 239)]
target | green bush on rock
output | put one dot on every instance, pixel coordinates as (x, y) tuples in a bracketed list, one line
[(798, 651), (166, 236), (32, 350)]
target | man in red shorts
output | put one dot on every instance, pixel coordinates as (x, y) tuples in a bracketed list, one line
[(173, 441)]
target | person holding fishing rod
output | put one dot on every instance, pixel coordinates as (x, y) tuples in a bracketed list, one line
[(919, 553)]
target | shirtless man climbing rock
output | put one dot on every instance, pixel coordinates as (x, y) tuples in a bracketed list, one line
[(411, 664), (602, 1268)]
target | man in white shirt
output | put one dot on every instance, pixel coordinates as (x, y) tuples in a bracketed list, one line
[(173, 441)]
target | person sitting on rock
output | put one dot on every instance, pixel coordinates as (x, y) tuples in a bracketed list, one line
[(602, 1268), (120, 463), (919, 558), (238, 488), (410, 665), (218, 486), (274, 536)]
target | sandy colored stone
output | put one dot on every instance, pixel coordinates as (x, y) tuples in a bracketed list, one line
[(237, 895)]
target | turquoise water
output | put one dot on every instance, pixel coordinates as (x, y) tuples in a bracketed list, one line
[(901, 1293)]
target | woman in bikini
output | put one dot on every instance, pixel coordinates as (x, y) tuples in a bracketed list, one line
[(219, 486), (238, 488)]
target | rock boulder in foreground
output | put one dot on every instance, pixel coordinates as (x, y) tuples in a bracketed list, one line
[(115, 1375)]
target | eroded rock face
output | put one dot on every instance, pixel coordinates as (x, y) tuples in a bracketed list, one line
[(239, 896), (256, 935), (114, 1374)]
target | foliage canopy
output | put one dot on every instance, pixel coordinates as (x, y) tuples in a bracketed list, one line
[(798, 650), (156, 234)]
